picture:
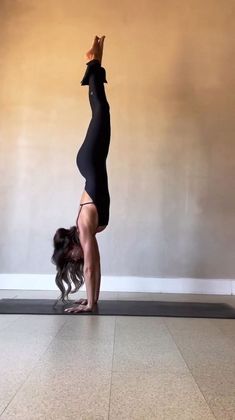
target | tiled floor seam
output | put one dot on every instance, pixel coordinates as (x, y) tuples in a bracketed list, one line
[(190, 371), (31, 370), (112, 367)]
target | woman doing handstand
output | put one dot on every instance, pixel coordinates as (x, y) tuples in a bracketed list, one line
[(76, 252)]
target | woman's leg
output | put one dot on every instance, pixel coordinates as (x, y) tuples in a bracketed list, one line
[(91, 157)]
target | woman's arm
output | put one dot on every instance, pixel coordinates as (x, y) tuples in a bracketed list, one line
[(91, 267), (98, 277), (91, 270)]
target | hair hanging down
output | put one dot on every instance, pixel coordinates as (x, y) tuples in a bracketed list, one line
[(68, 271)]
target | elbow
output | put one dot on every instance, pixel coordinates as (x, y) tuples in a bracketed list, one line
[(89, 271)]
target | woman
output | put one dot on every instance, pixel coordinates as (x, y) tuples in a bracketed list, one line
[(76, 252)]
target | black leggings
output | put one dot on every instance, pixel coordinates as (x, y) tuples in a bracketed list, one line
[(92, 155)]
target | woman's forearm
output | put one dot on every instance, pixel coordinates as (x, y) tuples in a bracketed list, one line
[(90, 283), (91, 269), (97, 282)]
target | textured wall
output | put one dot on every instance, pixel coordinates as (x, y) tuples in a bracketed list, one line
[(170, 71)]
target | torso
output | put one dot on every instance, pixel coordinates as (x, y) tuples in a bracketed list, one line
[(86, 198)]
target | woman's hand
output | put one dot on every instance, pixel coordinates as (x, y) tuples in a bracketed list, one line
[(81, 301), (79, 308)]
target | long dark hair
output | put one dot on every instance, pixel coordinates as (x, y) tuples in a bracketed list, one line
[(68, 270)]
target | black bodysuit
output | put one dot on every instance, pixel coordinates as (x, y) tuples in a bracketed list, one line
[(91, 157)]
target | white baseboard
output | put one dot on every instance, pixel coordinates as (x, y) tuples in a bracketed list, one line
[(126, 284)]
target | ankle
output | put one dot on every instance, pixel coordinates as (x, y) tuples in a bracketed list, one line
[(94, 57)]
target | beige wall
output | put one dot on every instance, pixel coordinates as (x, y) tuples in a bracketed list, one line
[(171, 165)]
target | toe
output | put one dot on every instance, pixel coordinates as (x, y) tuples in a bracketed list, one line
[(96, 39)]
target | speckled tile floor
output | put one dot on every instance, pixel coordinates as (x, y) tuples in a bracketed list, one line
[(91, 367)]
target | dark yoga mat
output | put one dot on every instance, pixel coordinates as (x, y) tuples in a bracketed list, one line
[(121, 307)]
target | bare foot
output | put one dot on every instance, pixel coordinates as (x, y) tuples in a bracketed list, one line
[(101, 44), (94, 52), (79, 308)]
